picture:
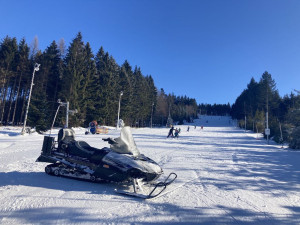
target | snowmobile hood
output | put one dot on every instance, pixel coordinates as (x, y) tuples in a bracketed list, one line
[(125, 144)]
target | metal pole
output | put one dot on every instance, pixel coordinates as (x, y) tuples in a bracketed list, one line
[(67, 115), (66, 104), (36, 68), (267, 114), (267, 117), (54, 119), (121, 93), (152, 114)]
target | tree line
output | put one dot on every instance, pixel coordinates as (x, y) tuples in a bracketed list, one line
[(92, 84), (215, 109), (260, 104)]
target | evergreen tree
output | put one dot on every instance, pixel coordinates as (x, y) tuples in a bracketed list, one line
[(73, 80), (89, 72), (8, 51), (22, 70), (127, 86), (162, 108), (38, 115), (92, 86), (106, 88), (140, 103)]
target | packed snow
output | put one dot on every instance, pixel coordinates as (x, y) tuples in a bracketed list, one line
[(225, 176)]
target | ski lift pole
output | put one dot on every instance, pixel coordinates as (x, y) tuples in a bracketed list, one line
[(55, 117), (118, 125), (67, 115), (36, 68), (66, 104)]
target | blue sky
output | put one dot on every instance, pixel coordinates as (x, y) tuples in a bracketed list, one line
[(204, 49)]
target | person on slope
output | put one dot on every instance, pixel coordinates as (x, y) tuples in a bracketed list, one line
[(177, 131), (171, 132)]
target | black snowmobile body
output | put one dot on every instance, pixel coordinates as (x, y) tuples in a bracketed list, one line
[(122, 162)]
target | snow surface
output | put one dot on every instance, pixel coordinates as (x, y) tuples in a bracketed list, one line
[(225, 176)]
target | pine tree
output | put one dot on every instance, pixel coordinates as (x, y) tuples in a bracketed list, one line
[(73, 79), (268, 94), (161, 112), (22, 70), (139, 97), (126, 84), (87, 94), (107, 89), (8, 51)]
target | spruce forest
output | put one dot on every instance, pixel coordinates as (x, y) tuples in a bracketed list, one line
[(259, 106), (92, 84)]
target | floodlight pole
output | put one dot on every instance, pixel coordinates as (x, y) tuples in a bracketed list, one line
[(67, 114), (267, 116), (152, 113), (121, 93), (267, 121), (36, 68)]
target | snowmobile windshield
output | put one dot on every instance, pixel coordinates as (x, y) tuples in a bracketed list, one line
[(125, 144)]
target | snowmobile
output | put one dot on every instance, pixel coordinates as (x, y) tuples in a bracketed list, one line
[(121, 163)]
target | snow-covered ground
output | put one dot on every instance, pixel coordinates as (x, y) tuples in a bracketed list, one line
[(225, 176)]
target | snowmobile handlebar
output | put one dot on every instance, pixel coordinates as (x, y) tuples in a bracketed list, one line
[(109, 140)]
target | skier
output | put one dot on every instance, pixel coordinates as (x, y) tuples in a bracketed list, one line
[(188, 129), (176, 133), (171, 132)]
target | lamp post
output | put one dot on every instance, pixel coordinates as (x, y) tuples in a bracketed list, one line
[(36, 68), (121, 93), (267, 130), (152, 113)]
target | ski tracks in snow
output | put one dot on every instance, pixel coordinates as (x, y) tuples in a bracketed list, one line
[(225, 176)]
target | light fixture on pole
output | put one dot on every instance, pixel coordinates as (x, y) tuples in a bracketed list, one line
[(121, 93), (36, 68)]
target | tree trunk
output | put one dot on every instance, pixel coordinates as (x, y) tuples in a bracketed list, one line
[(24, 102), (12, 93), (15, 106), (4, 102)]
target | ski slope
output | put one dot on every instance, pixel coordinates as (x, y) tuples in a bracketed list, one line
[(225, 176)]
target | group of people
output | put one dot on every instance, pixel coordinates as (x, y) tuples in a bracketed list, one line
[(174, 132)]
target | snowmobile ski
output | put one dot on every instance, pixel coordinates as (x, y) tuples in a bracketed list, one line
[(156, 190)]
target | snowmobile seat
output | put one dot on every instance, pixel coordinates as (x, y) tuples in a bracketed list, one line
[(83, 146), (81, 149)]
